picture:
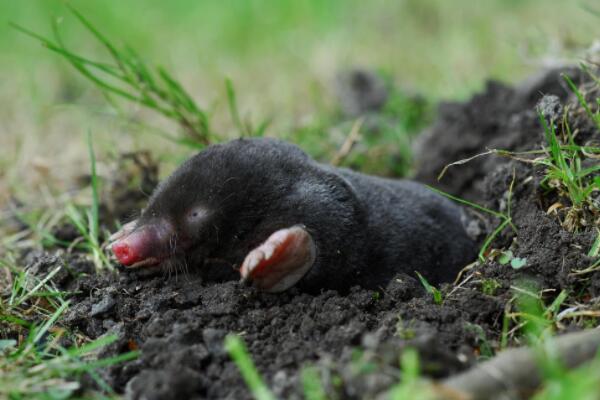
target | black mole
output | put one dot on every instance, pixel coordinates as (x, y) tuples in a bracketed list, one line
[(283, 219)]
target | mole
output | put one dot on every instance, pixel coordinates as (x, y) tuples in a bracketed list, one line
[(282, 219)]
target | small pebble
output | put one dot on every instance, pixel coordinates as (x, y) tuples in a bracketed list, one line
[(103, 306)]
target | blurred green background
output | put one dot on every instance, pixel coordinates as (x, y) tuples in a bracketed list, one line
[(282, 57)]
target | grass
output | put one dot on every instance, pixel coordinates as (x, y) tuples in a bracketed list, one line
[(130, 78), (485, 349), (580, 383), (566, 173), (282, 71), (505, 218), (245, 128), (87, 221), (538, 324), (311, 383), (434, 292), (536, 321), (538, 314), (282, 58), (571, 172), (593, 115), (489, 286), (595, 248), (238, 352), (34, 362), (412, 386), (127, 76)]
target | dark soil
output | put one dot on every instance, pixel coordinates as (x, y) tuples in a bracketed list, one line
[(501, 117), (179, 322)]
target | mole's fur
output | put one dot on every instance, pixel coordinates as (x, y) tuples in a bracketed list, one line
[(229, 198)]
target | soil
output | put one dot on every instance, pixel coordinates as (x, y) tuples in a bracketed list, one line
[(501, 117), (354, 340)]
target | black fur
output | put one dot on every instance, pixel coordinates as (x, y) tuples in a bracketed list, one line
[(366, 229)]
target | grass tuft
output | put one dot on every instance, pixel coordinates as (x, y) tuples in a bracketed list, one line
[(130, 78), (34, 363), (566, 173)]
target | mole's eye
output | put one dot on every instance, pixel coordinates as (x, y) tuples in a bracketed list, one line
[(196, 214)]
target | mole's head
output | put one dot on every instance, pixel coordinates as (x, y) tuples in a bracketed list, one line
[(214, 197), (176, 218)]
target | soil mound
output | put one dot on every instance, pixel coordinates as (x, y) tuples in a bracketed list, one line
[(179, 322)]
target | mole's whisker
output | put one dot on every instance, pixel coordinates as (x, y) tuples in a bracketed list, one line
[(173, 244), (185, 268)]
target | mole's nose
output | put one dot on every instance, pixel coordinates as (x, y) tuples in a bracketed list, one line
[(138, 245), (125, 254), (142, 245)]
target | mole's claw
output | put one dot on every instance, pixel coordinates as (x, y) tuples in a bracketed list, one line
[(245, 281), (281, 261), (124, 231)]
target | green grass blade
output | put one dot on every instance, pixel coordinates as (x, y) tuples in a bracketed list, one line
[(76, 219), (178, 91), (488, 241), (80, 63), (111, 49), (106, 362), (233, 108), (586, 171), (44, 328), (106, 68), (237, 351), (580, 97), (37, 287), (467, 203), (553, 308), (94, 223), (311, 383), (101, 383), (589, 73), (432, 290), (91, 346), (262, 128), (505, 331), (15, 320), (138, 65)]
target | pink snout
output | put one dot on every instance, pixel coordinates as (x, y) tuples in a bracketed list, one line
[(142, 246)]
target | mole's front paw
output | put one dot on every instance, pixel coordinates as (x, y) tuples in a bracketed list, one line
[(281, 261)]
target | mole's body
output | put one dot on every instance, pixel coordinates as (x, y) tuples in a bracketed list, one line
[(264, 205)]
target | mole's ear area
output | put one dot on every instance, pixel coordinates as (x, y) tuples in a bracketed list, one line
[(281, 261)]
